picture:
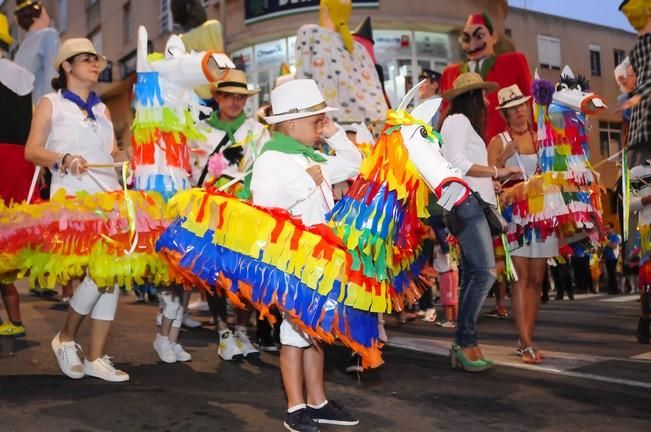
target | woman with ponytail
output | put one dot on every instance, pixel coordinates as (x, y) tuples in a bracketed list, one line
[(71, 127)]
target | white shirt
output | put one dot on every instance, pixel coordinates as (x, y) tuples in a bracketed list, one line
[(252, 135), (70, 132), (463, 148), (280, 180)]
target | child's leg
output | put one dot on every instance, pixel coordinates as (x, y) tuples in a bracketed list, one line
[(291, 369), (102, 316), (313, 365)]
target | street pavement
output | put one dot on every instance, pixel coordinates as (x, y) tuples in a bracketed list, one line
[(595, 377)]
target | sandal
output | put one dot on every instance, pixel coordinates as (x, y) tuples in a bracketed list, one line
[(530, 355)]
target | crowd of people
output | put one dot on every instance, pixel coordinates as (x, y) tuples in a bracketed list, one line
[(498, 134)]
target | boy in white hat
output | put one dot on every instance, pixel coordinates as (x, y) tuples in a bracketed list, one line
[(290, 174)]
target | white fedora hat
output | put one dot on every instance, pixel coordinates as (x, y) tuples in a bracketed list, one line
[(296, 99)]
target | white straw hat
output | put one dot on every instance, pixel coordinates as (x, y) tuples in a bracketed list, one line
[(74, 46), (296, 99)]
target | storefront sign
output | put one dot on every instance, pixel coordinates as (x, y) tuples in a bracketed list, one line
[(257, 10)]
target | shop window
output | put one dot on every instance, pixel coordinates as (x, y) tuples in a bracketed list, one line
[(610, 138), (549, 52), (595, 60)]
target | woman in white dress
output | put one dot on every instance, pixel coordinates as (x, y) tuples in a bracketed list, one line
[(517, 147), (71, 128)]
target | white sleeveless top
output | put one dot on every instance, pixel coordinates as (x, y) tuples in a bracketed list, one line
[(527, 163), (71, 132)]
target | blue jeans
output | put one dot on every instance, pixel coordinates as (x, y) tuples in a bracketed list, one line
[(477, 268)]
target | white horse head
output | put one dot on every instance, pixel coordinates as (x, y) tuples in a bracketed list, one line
[(574, 92), (424, 152)]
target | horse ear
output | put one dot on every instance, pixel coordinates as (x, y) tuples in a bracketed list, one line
[(427, 109), (409, 96), (536, 75), (567, 72), (142, 65)]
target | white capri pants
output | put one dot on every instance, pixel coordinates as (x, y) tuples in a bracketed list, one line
[(172, 308), (88, 299)]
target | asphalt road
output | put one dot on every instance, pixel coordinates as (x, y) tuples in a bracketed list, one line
[(596, 377)]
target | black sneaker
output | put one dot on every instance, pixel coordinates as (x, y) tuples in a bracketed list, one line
[(643, 331), (266, 344), (334, 414), (354, 364), (300, 421)]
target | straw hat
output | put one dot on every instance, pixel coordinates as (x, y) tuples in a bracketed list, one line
[(5, 36), (510, 96), (467, 82), (72, 47), (296, 99), (236, 84)]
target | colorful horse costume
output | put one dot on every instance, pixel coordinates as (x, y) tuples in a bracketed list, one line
[(563, 197), (111, 235), (331, 279)]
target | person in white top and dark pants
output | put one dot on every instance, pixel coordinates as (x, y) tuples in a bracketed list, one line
[(464, 148)]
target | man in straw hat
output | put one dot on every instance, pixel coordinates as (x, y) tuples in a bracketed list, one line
[(478, 40), (37, 51), (16, 84), (290, 174), (236, 140)]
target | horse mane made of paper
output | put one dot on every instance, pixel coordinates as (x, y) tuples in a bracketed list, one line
[(332, 278), (563, 198)]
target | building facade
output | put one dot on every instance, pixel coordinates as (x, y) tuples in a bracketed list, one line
[(409, 34)]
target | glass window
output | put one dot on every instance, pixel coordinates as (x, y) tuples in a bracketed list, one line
[(126, 22), (243, 59), (549, 52), (435, 45), (595, 60), (619, 56), (610, 137), (63, 16), (165, 21)]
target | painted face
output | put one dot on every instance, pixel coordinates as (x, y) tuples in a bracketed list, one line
[(230, 104), (307, 130), (638, 13), (477, 42)]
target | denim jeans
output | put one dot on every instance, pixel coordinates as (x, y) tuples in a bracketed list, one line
[(477, 268)]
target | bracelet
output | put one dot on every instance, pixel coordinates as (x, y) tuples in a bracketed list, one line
[(495, 168)]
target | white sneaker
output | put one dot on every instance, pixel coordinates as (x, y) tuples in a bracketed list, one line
[(199, 306), (163, 348), (228, 348), (66, 354), (181, 354), (103, 368), (245, 345), (430, 315), (188, 322)]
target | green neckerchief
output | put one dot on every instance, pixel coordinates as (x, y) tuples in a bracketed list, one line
[(282, 143), (486, 66), (230, 127)]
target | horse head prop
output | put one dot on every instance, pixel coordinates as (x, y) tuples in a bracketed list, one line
[(167, 110), (574, 92)]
